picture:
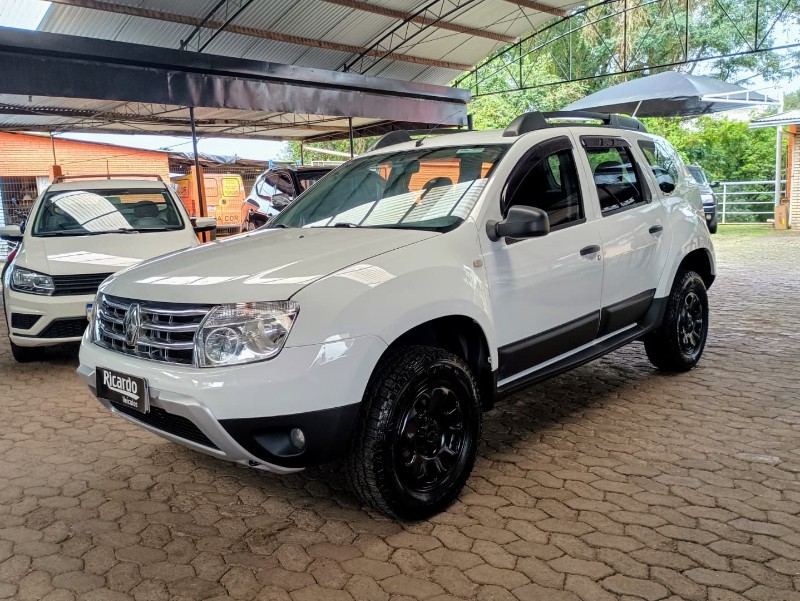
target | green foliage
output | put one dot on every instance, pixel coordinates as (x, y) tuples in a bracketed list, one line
[(725, 148), (791, 101)]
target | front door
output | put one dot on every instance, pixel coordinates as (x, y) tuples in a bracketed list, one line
[(545, 291), (631, 229)]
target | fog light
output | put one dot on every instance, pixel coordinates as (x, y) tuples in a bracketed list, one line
[(298, 439)]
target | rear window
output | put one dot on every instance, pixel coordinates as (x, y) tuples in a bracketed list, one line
[(85, 212)]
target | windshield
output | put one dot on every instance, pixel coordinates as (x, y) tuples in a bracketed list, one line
[(87, 212), (698, 175), (420, 189)]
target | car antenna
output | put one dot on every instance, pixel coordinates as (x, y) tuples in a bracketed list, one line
[(435, 127)]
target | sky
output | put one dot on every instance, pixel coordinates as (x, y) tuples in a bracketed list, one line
[(27, 14)]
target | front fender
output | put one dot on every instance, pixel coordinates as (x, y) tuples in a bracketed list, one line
[(392, 293)]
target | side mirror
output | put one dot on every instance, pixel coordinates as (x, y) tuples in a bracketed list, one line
[(281, 201), (665, 183), (204, 224), (521, 222), (715, 184), (11, 233)]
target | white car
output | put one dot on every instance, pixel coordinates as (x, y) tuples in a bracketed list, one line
[(383, 311), (77, 234)]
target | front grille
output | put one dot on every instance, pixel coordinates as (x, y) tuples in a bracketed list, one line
[(72, 327), (165, 331), (24, 321), (167, 422), (78, 284)]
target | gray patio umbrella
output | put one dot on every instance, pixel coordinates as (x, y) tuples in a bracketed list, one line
[(670, 94)]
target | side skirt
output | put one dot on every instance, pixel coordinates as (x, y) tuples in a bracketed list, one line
[(649, 322)]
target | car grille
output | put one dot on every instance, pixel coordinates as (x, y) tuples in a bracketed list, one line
[(72, 327), (165, 331), (24, 321), (167, 422), (78, 284)]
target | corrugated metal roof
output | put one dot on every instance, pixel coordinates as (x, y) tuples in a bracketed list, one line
[(315, 20)]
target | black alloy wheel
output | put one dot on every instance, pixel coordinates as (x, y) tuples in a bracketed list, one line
[(430, 436), (678, 343), (417, 434), (690, 324)]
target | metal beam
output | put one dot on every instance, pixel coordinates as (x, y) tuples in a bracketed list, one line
[(403, 16), (158, 15), (47, 64), (540, 7), (433, 12)]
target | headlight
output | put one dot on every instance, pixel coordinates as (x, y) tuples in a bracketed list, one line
[(708, 199), (32, 282), (243, 333)]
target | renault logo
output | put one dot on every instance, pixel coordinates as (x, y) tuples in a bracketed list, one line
[(132, 324)]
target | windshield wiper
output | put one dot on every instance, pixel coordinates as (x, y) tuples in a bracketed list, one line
[(344, 224), (121, 230)]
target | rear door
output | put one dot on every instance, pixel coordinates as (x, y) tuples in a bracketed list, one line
[(631, 229)]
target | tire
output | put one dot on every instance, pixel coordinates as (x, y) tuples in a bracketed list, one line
[(26, 354), (712, 227), (678, 343), (417, 434)]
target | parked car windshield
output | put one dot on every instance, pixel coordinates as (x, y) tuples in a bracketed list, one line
[(113, 210), (418, 189), (698, 174)]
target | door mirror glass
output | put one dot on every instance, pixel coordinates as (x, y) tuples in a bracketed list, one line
[(715, 184), (521, 222), (11, 233)]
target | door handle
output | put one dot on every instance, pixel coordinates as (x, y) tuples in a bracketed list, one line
[(590, 250), (656, 229)]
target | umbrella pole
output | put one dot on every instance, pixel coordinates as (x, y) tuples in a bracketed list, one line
[(636, 110)]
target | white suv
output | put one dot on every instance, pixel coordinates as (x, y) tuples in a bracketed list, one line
[(384, 310), (77, 234)]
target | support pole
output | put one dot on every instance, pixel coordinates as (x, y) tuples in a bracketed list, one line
[(198, 176), (350, 127), (778, 156), (302, 153)]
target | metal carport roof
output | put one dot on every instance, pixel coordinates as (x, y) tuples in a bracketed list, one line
[(419, 43)]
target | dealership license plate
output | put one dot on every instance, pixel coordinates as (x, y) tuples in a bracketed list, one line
[(123, 389)]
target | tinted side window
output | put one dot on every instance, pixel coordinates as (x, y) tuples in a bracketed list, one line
[(662, 158), (552, 185), (265, 188), (616, 177)]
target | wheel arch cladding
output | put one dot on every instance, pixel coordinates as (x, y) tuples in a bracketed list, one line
[(699, 261), (462, 336)]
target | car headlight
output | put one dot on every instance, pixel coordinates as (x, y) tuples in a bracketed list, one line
[(708, 199), (243, 333), (32, 282)]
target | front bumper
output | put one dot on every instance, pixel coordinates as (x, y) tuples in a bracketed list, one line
[(56, 319), (245, 413)]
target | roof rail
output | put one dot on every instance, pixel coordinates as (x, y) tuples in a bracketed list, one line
[(390, 139), (62, 178), (533, 121)]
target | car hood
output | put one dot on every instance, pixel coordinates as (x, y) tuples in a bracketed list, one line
[(269, 264), (105, 253)]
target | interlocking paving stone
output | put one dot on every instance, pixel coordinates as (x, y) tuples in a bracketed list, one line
[(611, 482)]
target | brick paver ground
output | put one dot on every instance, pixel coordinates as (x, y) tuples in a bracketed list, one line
[(611, 482)]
